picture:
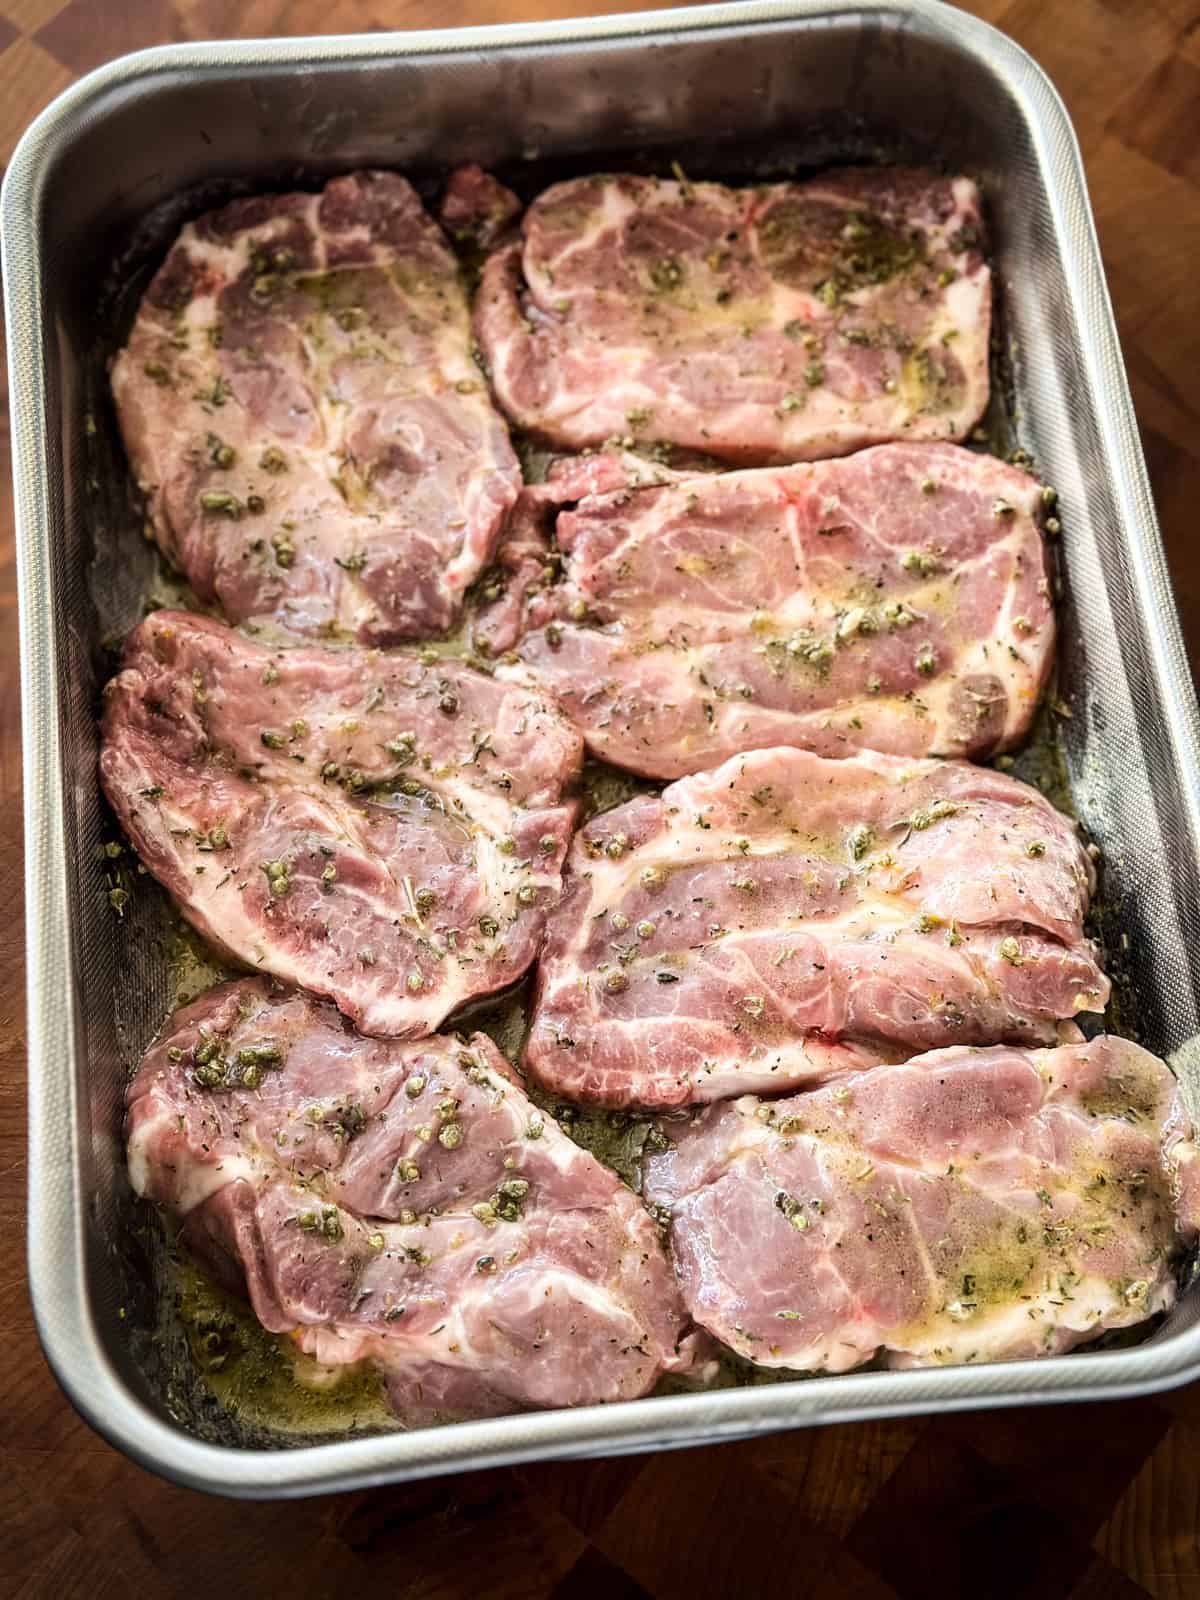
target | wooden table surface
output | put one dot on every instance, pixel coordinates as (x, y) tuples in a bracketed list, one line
[(1092, 1502)]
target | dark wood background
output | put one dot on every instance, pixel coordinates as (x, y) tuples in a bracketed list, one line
[(1091, 1502)]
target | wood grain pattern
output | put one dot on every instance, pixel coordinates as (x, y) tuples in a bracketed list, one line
[(1091, 1503)]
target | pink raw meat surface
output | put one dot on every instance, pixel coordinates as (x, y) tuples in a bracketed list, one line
[(785, 917), (302, 411), (896, 600), (782, 322), (405, 1204), (384, 831), (968, 1205)]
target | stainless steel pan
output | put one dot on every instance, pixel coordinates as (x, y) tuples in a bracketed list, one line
[(105, 176)]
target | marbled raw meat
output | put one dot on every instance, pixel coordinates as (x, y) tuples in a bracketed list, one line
[(386, 830), (785, 917), (968, 1205)]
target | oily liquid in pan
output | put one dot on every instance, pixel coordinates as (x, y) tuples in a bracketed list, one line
[(224, 1377)]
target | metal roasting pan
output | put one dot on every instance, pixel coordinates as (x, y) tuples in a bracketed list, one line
[(106, 175)]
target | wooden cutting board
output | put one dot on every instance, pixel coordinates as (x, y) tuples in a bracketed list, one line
[(1092, 1502)]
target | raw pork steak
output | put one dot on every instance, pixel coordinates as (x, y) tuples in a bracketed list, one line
[(401, 1203), (969, 1205), (784, 917), (302, 411), (897, 600), (777, 323), (386, 833)]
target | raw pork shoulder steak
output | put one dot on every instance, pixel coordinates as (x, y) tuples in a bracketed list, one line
[(897, 600), (301, 408), (401, 1203), (383, 832), (781, 322), (969, 1205), (784, 917)]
